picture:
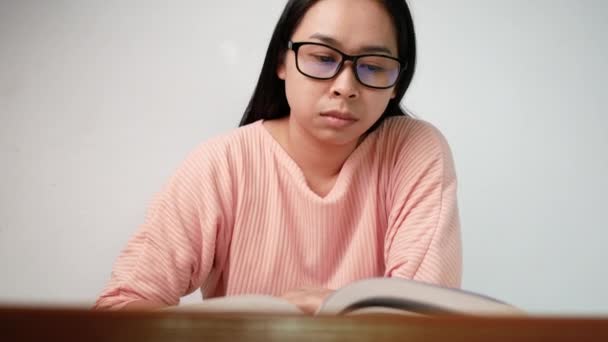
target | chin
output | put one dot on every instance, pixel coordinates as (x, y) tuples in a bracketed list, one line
[(336, 138)]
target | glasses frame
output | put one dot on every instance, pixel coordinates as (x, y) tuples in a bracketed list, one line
[(295, 46)]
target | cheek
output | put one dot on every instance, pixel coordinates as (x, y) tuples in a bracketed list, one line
[(376, 103), (302, 93)]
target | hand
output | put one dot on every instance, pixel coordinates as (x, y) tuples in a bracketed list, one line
[(307, 299)]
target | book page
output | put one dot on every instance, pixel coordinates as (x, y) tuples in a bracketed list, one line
[(375, 310), (412, 296)]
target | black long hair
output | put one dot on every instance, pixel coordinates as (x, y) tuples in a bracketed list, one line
[(269, 100)]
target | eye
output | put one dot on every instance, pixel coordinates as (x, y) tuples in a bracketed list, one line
[(325, 59), (372, 68)]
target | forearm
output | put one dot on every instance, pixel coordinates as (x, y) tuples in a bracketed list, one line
[(143, 304)]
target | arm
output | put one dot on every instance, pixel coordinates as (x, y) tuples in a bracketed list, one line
[(172, 252), (423, 238), (143, 304)]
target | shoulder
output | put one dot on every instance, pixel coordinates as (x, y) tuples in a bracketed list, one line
[(407, 136), (399, 130), (223, 153), (231, 144), (410, 148), (232, 138)]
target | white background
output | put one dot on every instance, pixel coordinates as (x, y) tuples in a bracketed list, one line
[(101, 100)]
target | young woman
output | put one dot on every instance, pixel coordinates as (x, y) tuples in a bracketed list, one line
[(327, 181)]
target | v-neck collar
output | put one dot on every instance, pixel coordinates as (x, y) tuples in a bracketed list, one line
[(344, 175)]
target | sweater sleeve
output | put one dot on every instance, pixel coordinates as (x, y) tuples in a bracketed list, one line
[(172, 252), (423, 239)]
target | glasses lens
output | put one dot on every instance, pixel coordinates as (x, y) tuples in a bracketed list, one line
[(318, 61), (377, 71)]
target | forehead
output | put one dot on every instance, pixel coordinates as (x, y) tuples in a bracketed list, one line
[(353, 24)]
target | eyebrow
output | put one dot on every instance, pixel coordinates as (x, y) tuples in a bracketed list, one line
[(365, 49)]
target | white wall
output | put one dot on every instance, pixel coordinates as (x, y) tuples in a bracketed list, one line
[(100, 101)]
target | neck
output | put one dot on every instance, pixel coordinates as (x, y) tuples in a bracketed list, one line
[(315, 158)]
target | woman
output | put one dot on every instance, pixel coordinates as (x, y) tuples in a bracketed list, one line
[(327, 181)]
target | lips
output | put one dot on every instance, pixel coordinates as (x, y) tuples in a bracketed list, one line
[(346, 116)]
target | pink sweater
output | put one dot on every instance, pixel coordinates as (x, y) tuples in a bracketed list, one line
[(239, 218)]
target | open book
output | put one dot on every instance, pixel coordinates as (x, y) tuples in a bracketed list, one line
[(375, 295)]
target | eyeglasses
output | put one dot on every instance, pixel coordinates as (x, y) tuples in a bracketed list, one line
[(323, 62)]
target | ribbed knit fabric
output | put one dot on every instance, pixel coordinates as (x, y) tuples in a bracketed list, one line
[(238, 217)]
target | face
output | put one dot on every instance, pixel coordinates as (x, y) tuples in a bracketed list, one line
[(339, 110)]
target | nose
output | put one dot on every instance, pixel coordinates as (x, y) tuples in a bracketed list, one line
[(345, 84)]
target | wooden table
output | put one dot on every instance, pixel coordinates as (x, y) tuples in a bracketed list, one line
[(54, 324)]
